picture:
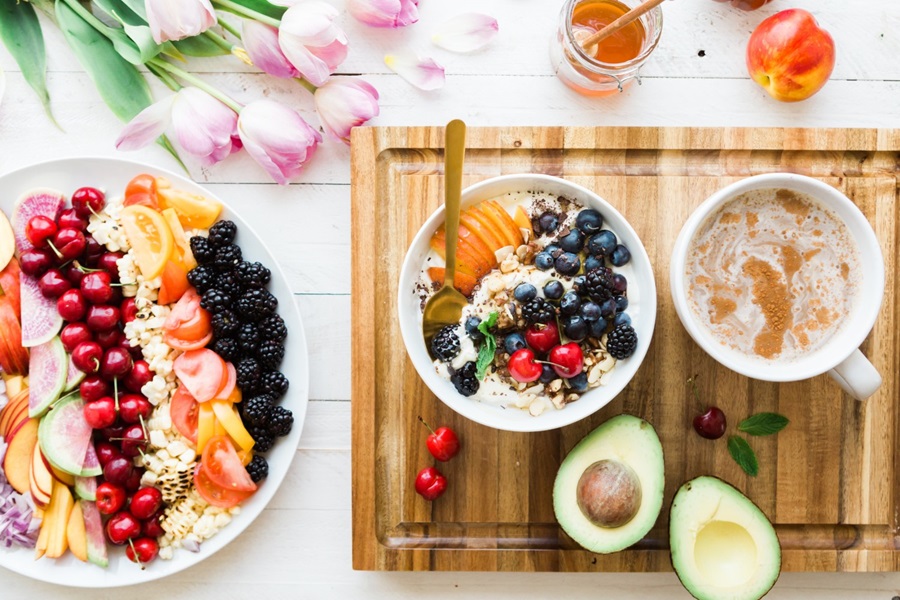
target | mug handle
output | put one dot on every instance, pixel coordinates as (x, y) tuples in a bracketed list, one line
[(857, 376)]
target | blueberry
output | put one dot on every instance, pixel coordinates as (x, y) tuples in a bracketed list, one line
[(579, 382), (514, 341), (547, 374), (553, 290), (598, 328), (472, 324), (620, 284), (590, 311), (589, 221), (621, 303), (525, 292), (543, 261), (620, 255), (567, 263), (576, 328), (573, 242), (578, 282), (548, 222), (608, 308), (570, 303), (622, 319), (592, 262), (552, 249), (602, 243)]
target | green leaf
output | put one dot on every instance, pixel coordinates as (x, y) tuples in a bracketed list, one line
[(765, 423), (488, 348), (135, 28), (199, 45), (21, 33), (743, 455), (263, 7), (120, 84)]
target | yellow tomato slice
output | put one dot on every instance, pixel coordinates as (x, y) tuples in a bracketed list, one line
[(150, 237), (181, 241), (231, 421), (206, 425)]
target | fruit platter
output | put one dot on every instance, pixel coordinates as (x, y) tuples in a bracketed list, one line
[(155, 377)]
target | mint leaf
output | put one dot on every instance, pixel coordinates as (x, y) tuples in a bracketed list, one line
[(743, 455), (488, 348), (764, 424)]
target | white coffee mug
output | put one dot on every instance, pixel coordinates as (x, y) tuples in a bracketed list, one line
[(839, 356)]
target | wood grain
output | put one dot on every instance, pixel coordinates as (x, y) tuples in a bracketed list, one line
[(828, 482)]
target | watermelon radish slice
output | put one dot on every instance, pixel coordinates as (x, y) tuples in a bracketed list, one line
[(91, 465), (65, 436), (40, 201), (93, 527), (48, 369), (40, 318), (73, 377), (86, 487)]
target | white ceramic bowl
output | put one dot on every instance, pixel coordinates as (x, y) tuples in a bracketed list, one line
[(641, 308)]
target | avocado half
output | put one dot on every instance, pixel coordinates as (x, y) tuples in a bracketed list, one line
[(609, 489), (723, 546)]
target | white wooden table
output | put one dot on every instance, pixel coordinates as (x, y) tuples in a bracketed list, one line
[(300, 546)]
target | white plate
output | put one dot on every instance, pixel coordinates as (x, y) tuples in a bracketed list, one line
[(112, 175)]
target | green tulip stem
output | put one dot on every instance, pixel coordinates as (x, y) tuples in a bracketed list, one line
[(246, 12), (310, 87), (230, 28), (89, 18), (217, 39), (167, 79), (196, 81)]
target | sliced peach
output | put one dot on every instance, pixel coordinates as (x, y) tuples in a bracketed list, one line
[(19, 455), (522, 220), (468, 218), (41, 478), (489, 223), (463, 282), (467, 236), (61, 504), (506, 221), (76, 534), (477, 265)]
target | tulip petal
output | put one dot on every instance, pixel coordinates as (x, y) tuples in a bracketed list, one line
[(277, 138), (147, 125), (384, 13), (311, 41), (424, 73), (172, 20), (261, 43), (344, 103), (203, 125), (466, 32)]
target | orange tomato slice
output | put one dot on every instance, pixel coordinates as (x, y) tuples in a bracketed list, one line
[(150, 238), (174, 283), (142, 190), (185, 412)]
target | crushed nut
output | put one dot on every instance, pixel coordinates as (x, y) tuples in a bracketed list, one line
[(557, 400)]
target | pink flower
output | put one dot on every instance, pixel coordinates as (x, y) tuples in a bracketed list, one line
[(261, 43), (311, 41), (423, 72), (345, 103), (277, 138), (178, 19), (198, 123), (385, 13)]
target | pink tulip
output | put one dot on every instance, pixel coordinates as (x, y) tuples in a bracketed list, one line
[(261, 43), (311, 41), (178, 19), (199, 124), (385, 13), (277, 138), (345, 103)]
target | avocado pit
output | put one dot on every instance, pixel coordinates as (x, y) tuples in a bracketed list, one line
[(609, 493)]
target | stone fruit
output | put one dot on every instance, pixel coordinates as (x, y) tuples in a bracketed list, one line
[(430, 484), (710, 424), (442, 442), (790, 56), (542, 337), (567, 360), (522, 366)]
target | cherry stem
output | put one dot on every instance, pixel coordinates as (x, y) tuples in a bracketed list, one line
[(116, 392), (143, 427), (55, 251), (422, 421), (693, 381), (137, 558), (552, 364)]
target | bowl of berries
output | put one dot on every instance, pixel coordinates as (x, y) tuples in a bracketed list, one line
[(562, 304)]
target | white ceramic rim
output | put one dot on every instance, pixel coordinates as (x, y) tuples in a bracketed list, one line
[(847, 339), (410, 315), (68, 571)]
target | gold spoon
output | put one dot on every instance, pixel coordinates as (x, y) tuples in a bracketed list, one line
[(445, 306)]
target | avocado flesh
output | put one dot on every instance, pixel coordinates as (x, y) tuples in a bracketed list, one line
[(723, 546), (625, 439)]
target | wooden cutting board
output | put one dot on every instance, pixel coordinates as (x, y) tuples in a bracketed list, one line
[(830, 482)]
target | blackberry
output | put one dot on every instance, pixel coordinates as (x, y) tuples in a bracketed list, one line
[(258, 468), (202, 250), (538, 310), (621, 341), (248, 374), (225, 323), (274, 383), (248, 339), (222, 233), (264, 440), (464, 379), (280, 421), (445, 344), (215, 301), (598, 284), (227, 257), (273, 328), (227, 348), (203, 277), (270, 354), (256, 304), (257, 410), (252, 274), (227, 282)]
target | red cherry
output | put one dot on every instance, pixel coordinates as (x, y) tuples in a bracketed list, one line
[(152, 527), (145, 502), (134, 481), (116, 363), (114, 433), (36, 261), (108, 339), (134, 407), (39, 229), (70, 243), (142, 550), (69, 218), (118, 470), (53, 284), (73, 273), (102, 317), (73, 334), (430, 484), (442, 442), (542, 337), (93, 250), (108, 261), (522, 367), (87, 357), (100, 413), (96, 287), (93, 388), (133, 441), (121, 527), (71, 305), (128, 310), (567, 360), (711, 424), (139, 376), (110, 498), (88, 200), (106, 451)]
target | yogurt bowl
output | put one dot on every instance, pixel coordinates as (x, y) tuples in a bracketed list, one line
[(501, 402)]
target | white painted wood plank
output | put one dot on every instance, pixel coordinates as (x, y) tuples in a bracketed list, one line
[(326, 321)]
